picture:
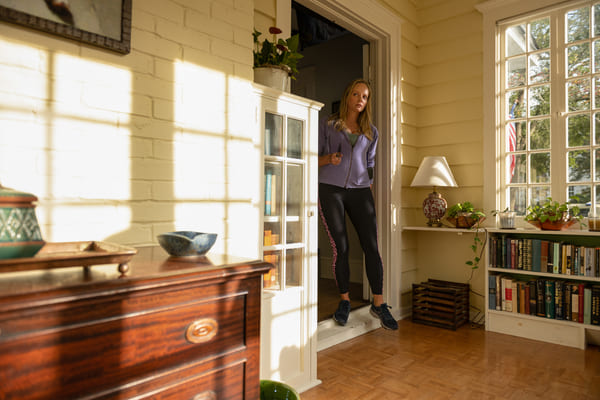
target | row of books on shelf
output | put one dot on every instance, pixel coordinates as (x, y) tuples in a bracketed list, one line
[(270, 238), (549, 298), (271, 278), (540, 255), (270, 193)]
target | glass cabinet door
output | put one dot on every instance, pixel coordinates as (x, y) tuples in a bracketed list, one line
[(284, 166)]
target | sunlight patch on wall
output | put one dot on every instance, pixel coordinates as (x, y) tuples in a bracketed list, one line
[(200, 98), (89, 89), (89, 161), (199, 167), (64, 137), (81, 222)]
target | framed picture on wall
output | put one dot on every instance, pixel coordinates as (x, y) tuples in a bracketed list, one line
[(105, 23)]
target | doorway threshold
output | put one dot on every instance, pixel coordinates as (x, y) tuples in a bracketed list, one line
[(329, 333)]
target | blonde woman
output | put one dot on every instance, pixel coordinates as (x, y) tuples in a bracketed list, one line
[(347, 147)]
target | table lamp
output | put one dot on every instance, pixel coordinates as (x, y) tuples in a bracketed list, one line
[(434, 171)]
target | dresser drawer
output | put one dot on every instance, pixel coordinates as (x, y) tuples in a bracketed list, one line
[(219, 382), (73, 355)]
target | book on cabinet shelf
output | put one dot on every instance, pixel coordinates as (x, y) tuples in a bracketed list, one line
[(545, 297), (541, 255), (270, 194)]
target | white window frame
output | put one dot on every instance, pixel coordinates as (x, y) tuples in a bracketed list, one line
[(494, 12)]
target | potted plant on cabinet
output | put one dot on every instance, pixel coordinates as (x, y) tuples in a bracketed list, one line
[(552, 215), (275, 62), (506, 217), (464, 215)]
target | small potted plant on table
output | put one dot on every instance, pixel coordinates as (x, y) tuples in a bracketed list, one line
[(506, 218)]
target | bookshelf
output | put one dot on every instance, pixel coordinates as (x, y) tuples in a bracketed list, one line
[(285, 168), (542, 285)]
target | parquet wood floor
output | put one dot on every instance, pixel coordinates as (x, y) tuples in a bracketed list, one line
[(423, 362)]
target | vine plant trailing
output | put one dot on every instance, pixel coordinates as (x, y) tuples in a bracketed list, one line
[(478, 245)]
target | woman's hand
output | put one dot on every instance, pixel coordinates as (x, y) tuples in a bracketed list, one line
[(332, 158), (335, 158)]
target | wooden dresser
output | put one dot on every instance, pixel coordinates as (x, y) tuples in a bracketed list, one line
[(169, 329)]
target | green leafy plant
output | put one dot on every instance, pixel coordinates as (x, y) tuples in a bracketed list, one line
[(465, 207), (496, 212), (466, 216), (278, 53), (553, 211)]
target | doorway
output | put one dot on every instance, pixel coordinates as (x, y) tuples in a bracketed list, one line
[(333, 56)]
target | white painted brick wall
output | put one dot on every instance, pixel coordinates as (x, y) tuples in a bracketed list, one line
[(123, 147)]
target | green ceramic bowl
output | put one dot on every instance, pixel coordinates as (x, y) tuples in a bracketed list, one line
[(273, 390)]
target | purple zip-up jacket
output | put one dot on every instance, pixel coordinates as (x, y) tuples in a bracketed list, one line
[(356, 168)]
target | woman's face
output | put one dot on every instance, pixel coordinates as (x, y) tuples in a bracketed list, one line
[(358, 97)]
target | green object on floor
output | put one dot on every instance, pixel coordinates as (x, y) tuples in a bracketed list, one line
[(273, 390)]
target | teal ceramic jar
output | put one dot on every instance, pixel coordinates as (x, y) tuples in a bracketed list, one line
[(20, 234)]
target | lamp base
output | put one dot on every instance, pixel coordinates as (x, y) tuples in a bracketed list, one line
[(434, 223), (434, 208)]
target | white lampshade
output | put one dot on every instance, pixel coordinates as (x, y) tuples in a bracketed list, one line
[(434, 171)]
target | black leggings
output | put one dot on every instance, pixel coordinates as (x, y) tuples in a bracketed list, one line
[(334, 203)]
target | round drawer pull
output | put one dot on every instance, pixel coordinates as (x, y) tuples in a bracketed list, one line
[(202, 330), (208, 395)]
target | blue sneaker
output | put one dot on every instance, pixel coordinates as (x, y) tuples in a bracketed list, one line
[(341, 314), (383, 313)]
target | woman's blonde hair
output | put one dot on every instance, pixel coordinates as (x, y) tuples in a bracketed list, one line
[(364, 118)]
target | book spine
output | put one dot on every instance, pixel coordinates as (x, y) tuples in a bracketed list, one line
[(268, 193), (567, 310), (574, 302), (549, 299), (515, 297), (595, 311), (587, 305), (581, 303), (536, 255), (550, 268), (521, 290), (498, 292), (492, 292), (556, 259), (507, 304), (532, 296), (541, 298), (558, 300), (526, 297)]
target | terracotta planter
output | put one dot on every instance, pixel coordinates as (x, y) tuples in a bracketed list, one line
[(553, 225), (464, 220), (564, 223), (276, 77)]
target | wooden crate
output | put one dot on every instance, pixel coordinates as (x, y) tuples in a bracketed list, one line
[(440, 303)]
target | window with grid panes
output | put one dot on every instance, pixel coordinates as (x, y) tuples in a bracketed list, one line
[(550, 111)]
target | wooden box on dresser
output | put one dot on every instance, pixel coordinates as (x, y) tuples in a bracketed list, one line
[(169, 329), (528, 263)]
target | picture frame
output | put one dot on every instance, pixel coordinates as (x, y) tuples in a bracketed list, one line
[(106, 23)]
